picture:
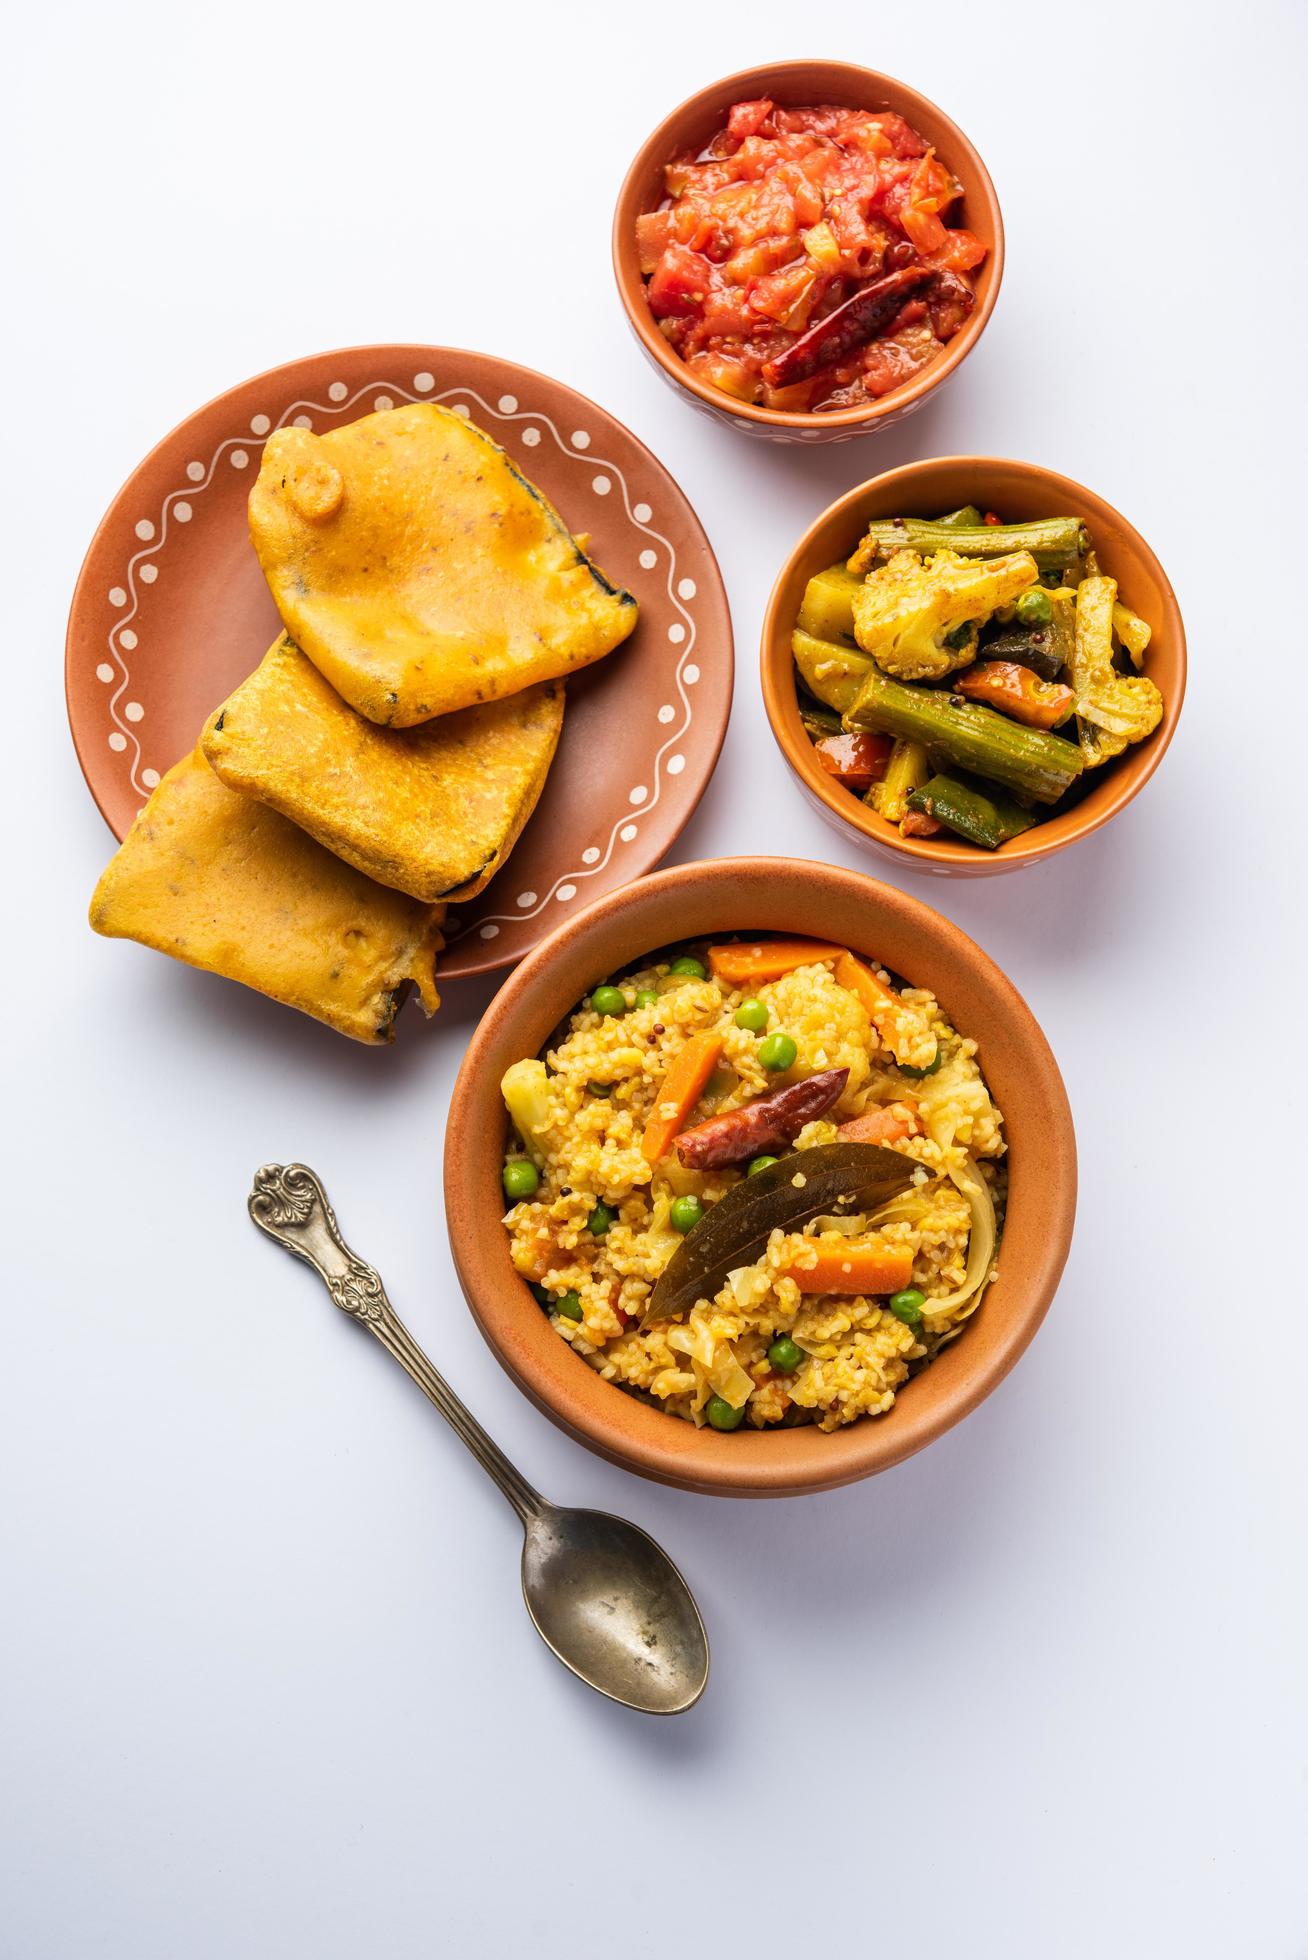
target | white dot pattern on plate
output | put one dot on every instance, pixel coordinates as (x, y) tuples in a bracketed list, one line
[(145, 529), (648, 560), (638, 794), (117, 742), (676, 632), (302, 422), (117, 597), (133, 711), (337, 392), (565, 892), (127, 639), (149, 573), (382, 403), (686, 589), (508, 403), (627, 832), (589, 856), (104, 672), (150, 777), (196, 472), (259, 426), (642, 513), (676, 763), (490, 932), (667, 713), (461, 408), (424, 383), (601, 485), (691, 675), (531, 437), (239, 458), (526, 898), (182, 512), (580, 439)]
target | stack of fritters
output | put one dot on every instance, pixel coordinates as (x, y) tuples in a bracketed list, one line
[(384, 756)]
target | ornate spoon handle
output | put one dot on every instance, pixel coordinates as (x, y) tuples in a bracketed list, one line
[(290, 1205)]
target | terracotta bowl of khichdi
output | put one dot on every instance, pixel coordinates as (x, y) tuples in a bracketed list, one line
[(761, 896)]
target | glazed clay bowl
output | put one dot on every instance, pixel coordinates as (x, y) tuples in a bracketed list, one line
[(805, 84), (782, 895), (1014, 491)]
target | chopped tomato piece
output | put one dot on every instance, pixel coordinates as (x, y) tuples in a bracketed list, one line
[(747, 118), (780, 294), (653, 236), (764, 255), (857, 761), (680, 282), (902, 137), (961, 251)]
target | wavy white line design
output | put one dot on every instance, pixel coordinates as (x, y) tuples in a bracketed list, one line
[(487, 927)]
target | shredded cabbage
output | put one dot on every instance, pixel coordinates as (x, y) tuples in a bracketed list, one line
[(981, 1239), (714, 1362)]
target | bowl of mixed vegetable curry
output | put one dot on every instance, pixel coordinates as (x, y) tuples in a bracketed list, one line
[(972, 663)]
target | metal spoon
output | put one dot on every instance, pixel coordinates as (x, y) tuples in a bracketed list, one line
[(603, 1596)]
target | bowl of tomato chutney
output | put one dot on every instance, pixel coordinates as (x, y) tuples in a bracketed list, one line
[(808, 249)]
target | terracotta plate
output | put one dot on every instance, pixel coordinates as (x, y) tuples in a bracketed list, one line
[(171, 612)]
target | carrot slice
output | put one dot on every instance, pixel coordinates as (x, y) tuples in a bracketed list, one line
[(892, 1123), (904, 1030), (750, 962), (855, 1266), (681, 1088)]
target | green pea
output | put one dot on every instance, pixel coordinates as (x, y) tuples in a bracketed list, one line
[(647, 997), (752, 1016), (907, 1306), (776, 1052), (721, 1415), (685, 1214), (569, 1305), (1034, 608), (521, 1178), (599, 1221), (688, 968), (609, 1000), (759, 1164), (785, 1355), (918, 1073), (599, 1088)]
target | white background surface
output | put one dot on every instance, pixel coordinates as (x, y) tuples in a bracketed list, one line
[(268, 1688)]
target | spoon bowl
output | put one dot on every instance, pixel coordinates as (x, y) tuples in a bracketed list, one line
[(613, 1607)]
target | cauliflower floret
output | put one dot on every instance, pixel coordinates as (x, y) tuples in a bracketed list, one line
[(525, 1087), (918, 618), (1112, 709)]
